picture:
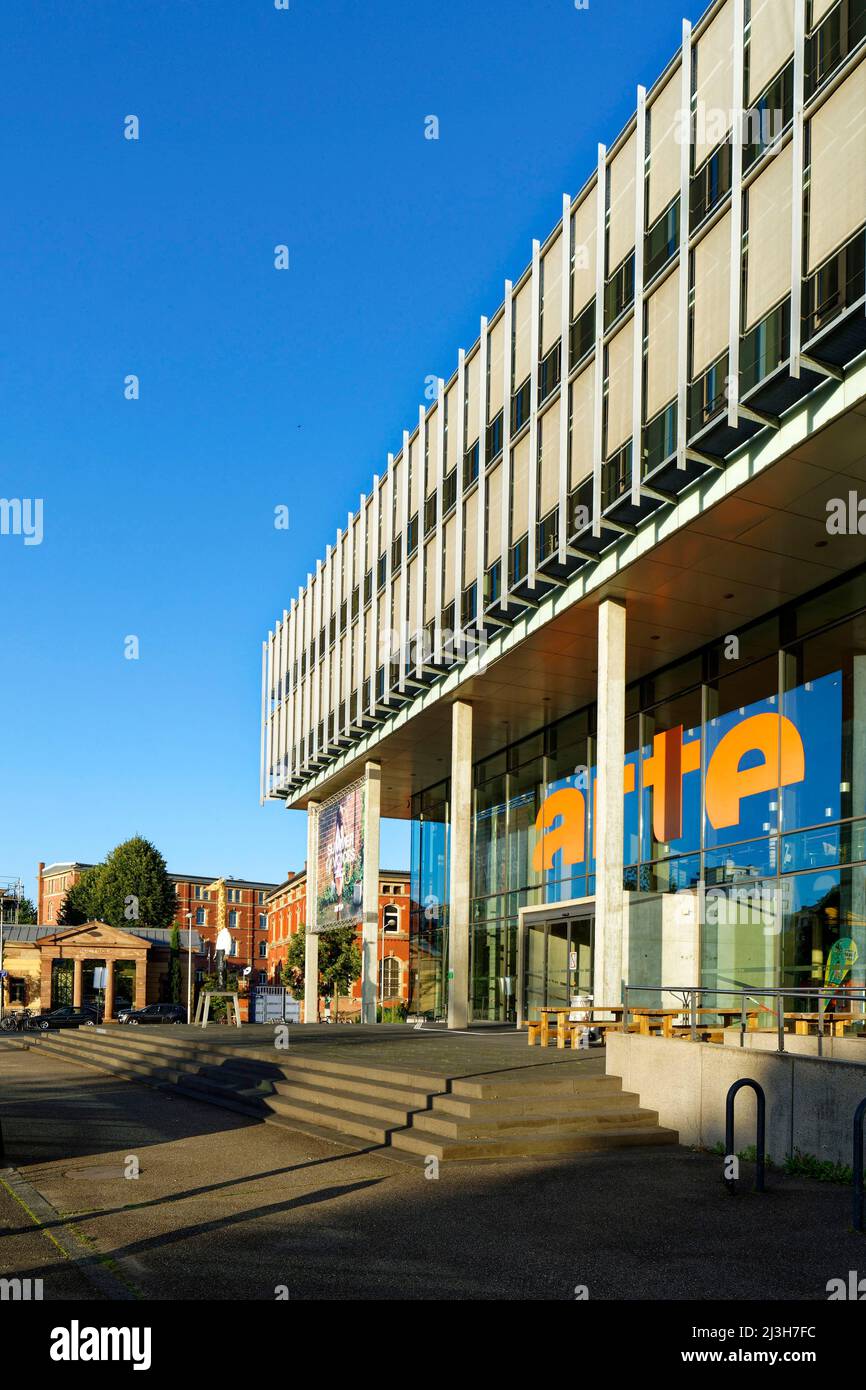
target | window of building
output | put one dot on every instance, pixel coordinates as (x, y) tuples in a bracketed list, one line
[(390, 978), (391, 918), (17, 991), (263, 921), (233, 919), (200, 917), (263, 948)]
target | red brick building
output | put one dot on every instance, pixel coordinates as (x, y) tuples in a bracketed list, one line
[(286, 912), (246, 915)]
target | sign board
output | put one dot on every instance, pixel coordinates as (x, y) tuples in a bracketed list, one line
[(100, 977), (340, 862)]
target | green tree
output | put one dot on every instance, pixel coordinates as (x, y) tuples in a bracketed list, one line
[(134, 887), (20, 910), (175, 982), (82, 902), (339, 962)]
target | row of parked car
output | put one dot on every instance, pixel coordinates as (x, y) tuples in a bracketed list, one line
[(87, 1015)]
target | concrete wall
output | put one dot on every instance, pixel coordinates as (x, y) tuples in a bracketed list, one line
[(810, 1102)]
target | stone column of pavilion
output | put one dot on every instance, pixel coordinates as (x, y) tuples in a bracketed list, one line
[(610, 757), (459, 864), (311, 940), (370, 929)]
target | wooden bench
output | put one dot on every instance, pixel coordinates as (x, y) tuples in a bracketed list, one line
[(533, 1032)]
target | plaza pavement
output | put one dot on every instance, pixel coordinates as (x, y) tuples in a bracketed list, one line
[(225, 1207)]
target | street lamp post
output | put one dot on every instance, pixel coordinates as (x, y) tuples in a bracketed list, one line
[(189, 967)]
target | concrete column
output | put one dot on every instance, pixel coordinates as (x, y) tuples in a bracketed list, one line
[(77, 983), (109, 989), (610, 756), (370, 930), (311, 940), (459, 864)]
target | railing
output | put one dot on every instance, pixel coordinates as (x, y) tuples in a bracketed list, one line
[(771, 113), (581, 334), (711, 183), (494, 438), (493, 583), (659, 438), (520, 403), (547, 543), (519, 560), (765, 346), (549, 373), (470, 465), (616, 476), (836, 37), (837, 284), (662, 240), (692, 995), (619, 291), (708, 394), (580, 507)]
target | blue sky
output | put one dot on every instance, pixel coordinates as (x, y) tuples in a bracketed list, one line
[(258, 387)]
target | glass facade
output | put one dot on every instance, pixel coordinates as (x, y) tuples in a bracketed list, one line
[(744, 780)]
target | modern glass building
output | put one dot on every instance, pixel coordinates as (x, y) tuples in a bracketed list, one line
[(601, 622)]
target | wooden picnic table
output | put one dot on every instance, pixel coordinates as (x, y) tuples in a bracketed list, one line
[(561, 1012), (645, 1020), (803, 1021)]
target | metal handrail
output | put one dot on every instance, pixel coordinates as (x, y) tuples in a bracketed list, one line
[(760, 1134), (692, 994)]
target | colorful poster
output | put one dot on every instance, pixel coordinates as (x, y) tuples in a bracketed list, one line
[(340, 881)]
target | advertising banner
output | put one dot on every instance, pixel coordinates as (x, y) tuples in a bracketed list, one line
[(340, 877)]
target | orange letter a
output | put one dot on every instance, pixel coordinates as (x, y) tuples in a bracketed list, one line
[(569, 836)]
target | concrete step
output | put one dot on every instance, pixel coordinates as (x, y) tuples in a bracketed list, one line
[(411, 1098), (533, 1105), (600, 1118), (552, 1080), (347, 1102), (211, 1088), (103, 1059), (537, 1143), (387, 1076), (338, 1121)]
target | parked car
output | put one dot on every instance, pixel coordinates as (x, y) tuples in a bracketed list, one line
[(153, 1013), (65, 1017)]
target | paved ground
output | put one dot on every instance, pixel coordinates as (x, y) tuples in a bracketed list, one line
[(224, 1208)]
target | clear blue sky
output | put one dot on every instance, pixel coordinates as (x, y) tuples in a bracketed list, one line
[(258, 387)]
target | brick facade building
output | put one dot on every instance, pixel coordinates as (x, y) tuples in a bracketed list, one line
[(246, 916), (286, 914)]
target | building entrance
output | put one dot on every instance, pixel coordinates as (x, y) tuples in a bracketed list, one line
[(555, 946)]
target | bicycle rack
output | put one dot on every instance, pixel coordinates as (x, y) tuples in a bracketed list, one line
[(731, 1183), (857, 1168)]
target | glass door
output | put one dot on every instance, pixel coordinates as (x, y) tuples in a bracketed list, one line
[(557, 959), (580, 944)]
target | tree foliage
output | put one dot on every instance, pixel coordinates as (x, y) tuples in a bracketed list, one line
[(175, 981), (131, 888), (81, 901), (339, 961)]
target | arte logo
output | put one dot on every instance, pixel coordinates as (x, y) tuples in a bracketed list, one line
[(761, 753)]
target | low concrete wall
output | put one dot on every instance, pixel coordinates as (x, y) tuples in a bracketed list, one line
[(810, 1101), (834, 1049)]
